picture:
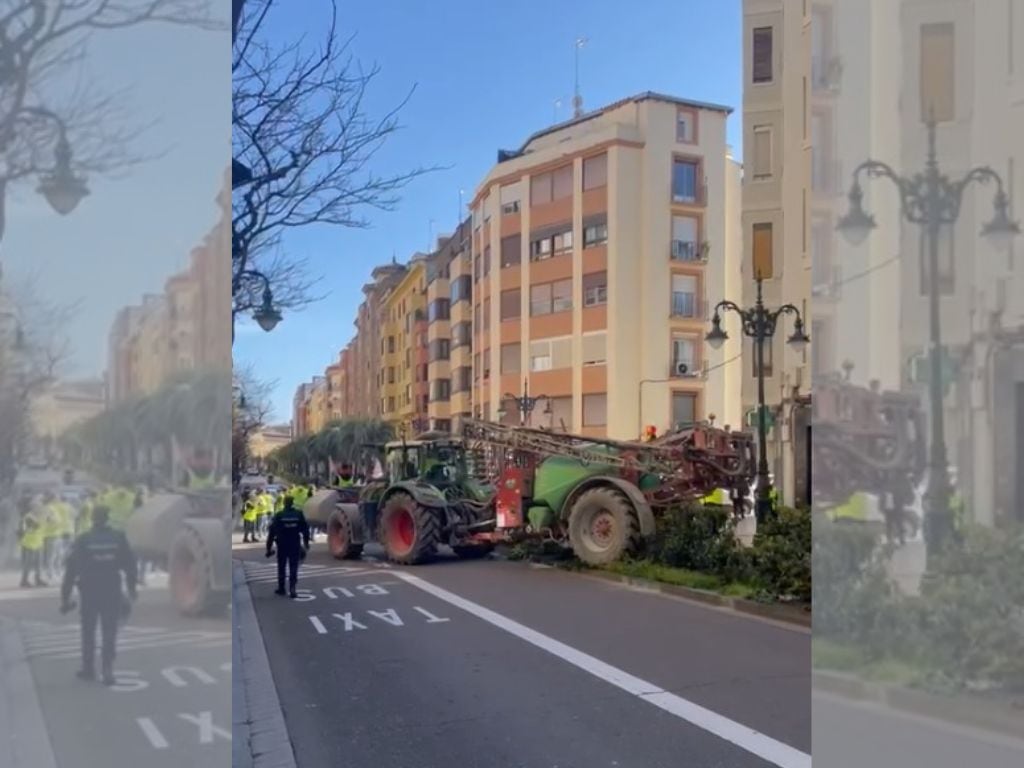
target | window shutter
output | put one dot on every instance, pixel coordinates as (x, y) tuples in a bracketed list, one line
[(762, 55)]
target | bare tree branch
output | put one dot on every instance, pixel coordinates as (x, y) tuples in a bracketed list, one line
[(301, 127)]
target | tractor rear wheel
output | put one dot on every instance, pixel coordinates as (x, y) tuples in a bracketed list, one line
[(340, 538), (603, 526), (408, 532), (472, 551), (191, 576)]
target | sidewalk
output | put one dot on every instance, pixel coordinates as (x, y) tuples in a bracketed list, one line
[(24, 739), (258, 732)]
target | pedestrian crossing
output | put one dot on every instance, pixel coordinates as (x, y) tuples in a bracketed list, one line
[(14, 592), (63, 641), (266, 573)]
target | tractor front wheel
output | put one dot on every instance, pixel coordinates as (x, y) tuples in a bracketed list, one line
[(340, 537), (408, 532), (191, 576), (602, 526)]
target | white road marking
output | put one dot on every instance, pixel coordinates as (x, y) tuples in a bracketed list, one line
[(431, 618), (207, 730), (768, 749), (152, 733), (318, 625)]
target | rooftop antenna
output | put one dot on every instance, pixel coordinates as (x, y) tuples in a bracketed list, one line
[(462, 206), (577, 99)]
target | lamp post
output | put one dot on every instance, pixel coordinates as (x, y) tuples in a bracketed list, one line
[(931, 200), (525, 404), (759, 323), (267, 315)]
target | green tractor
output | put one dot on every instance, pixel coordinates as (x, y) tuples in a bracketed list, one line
[(428, 498)]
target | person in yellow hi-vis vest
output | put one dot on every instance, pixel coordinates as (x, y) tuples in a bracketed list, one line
[(121, 505), (49, 520), (250, 514), (957, 509), (30, 539)]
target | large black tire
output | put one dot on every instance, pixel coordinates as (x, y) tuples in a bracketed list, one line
[(472, 551), (603, 526), (409, 533), (191, 577), (340, 538)]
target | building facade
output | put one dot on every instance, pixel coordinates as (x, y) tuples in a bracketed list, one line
[(597, 248)]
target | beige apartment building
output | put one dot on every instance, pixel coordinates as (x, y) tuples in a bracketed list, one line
[(598, 248), (776, 220), (449, 331)]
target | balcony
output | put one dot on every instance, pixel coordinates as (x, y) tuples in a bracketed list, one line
[(687, 306), (690, 252), (690, 194)]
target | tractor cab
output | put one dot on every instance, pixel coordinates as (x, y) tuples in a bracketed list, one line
[(436, 460)]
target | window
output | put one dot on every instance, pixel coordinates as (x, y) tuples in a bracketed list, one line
[(938, 75), (550, 354), (511, 247), (595, 289), (391, 345), (440, 390), (487, 314), (442, 425), (440, 309), (462, 334), (684, 353), (561, 183), (509, 196), (684, 296), (595, 410), (476, 366), (540, 189), (595, 348), (487, 261), (510, 301), (562, 242), (595, 231), (510, 354), (547, 298), (476, 318), (391, 404), (595, 172), (540, 249), (684, 238), (685, 124), (762, 57), (391, 374), (684, 408), (761, 251), (684, 181), (439, 349), (822, 232), (462, 379), (822, 155), (767, 357), (461, 290), (560, 418), (763, 152), (476, 268)]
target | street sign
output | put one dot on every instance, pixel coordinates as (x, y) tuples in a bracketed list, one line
[(752, 420), (921, 369)]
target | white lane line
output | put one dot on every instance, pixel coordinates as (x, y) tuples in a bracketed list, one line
[(156, 739), (759, 744)]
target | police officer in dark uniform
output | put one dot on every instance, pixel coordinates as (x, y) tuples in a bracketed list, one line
[(290, 531), (97, 560)]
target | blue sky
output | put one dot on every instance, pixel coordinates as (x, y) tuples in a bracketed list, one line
[(485, 79), (132, 232)]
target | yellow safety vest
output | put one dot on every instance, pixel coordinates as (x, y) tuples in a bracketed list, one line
[(717, 497), (856, 509), (343, 483), (250, 512), (50, 525), (32, 536), (66, 519)]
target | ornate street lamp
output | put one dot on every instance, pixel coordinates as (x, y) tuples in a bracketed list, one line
[(525, 404), (931, 200), (759, 323), (267, 315)]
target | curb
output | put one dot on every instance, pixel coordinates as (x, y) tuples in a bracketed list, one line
[(259, 737), (789, 614), (23, 733), (966, 710)]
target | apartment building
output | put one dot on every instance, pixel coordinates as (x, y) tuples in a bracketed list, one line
[(335, 390), (777, 192), (598, 247), (365, 349), (403, 355), (300, 409)]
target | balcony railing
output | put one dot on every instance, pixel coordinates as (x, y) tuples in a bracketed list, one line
[(685, 250), (696, 195)]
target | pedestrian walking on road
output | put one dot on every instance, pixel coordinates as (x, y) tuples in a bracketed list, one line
[(250, 514), (97, 561), (290, 531)]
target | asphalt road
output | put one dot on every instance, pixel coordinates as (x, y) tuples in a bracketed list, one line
[(499, 664), (854, 735), (171, 706)]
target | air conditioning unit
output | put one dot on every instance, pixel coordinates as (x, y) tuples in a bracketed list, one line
[(683, 369)]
